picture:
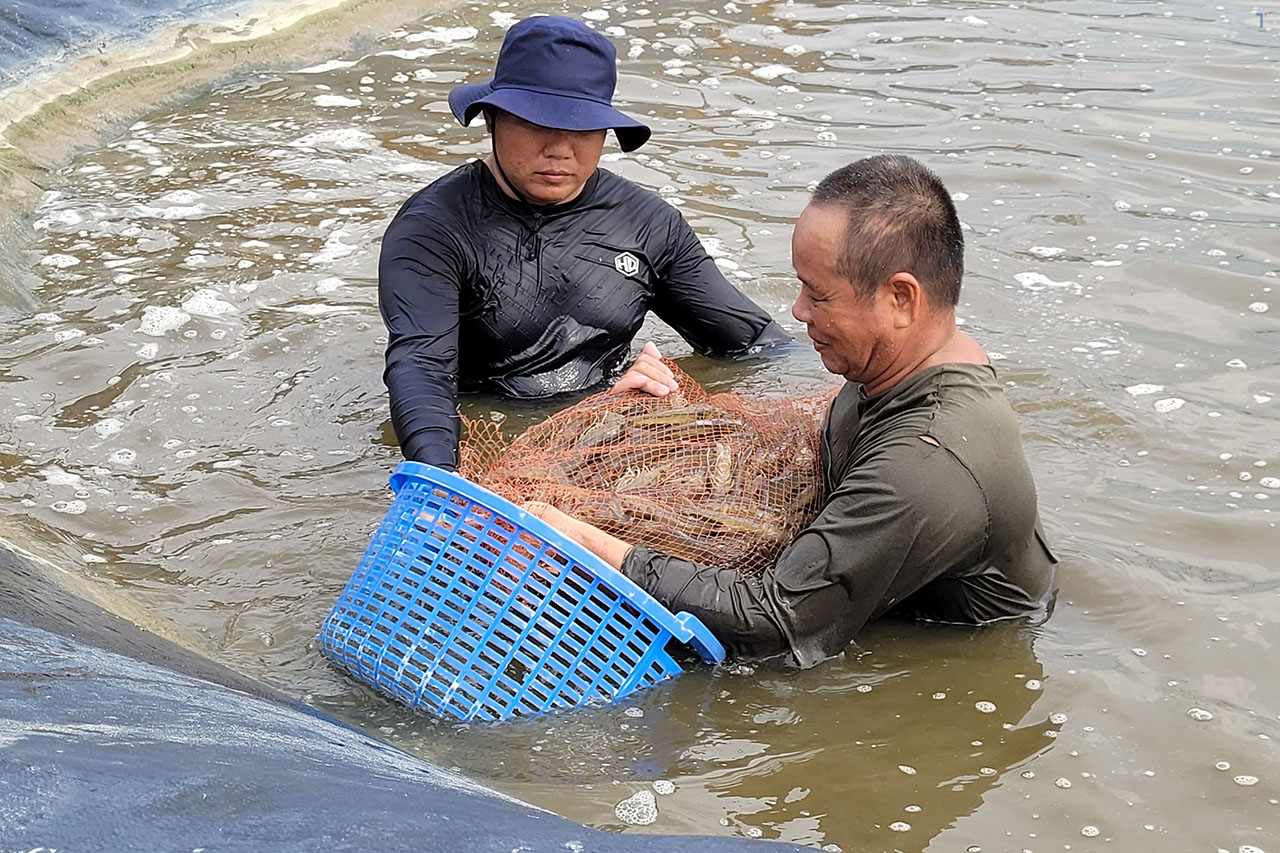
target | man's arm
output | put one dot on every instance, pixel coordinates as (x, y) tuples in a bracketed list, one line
[(833, 578), (418, 286), (695, 299), (872, 545)]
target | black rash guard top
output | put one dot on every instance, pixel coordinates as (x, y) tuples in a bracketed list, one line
[(931, 514), (480, 291)]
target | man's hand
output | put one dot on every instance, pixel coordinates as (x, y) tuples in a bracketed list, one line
[(609, 548), (648, 374)]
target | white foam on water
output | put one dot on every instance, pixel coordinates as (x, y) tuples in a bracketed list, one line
[(337, 139), (900, 826), (444, 35), (410, 55), (424, 74), (60, 262), (502, 19), (907, 769), (663, 786), (123, 456), (67, 335), (639, 809), (179, 197), (147, 351), (58, 217), (974, 21), (1144, 388), (1259, 307), (318, 310), (1046, 251), (175, 205), (771, 72), (985, 707), (596, 15), (334, 248), (207, 302), (158, 320), (69, 507), (794, 50), (55, 476), (1037, 282), (336, 101), (108, 427), (1200, 715), (1237, 364), (47, 318), (329, 285), (331, 65)]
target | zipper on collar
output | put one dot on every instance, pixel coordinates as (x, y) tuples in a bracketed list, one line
[(534, 242)]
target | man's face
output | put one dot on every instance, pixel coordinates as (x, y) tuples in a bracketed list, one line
[(546, 165), (852, 333)]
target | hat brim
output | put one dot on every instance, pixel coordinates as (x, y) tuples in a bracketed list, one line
[(547, 110)]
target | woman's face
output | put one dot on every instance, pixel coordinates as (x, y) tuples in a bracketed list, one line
[(546, 166)]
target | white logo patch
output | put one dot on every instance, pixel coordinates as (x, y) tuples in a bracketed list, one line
[(627, 264)]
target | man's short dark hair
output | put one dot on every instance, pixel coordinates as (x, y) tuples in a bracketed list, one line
[(901, 219)]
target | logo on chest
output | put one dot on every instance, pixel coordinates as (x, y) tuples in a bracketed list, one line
[(627, 264)]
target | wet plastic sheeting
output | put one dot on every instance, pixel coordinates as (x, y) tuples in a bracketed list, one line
[(103, 752)]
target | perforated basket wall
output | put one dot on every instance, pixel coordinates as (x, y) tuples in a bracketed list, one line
[(469, 607)]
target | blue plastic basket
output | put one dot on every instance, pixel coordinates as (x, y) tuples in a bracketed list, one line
[(468, 606)]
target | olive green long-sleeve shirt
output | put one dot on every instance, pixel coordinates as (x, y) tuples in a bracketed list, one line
[(931, 514)]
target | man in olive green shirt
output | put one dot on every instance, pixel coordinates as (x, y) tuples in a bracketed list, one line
[(931, 509)]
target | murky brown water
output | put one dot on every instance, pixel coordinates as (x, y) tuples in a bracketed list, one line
[(194, 419)]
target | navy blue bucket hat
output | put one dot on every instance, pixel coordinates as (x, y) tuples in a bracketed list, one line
[(554, 72)]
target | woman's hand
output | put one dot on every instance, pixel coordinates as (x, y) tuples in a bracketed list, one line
[(648, 374)]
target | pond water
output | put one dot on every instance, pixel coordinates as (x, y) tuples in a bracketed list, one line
[(194, 424)]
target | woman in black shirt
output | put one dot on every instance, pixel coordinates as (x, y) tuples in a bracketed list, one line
[(530, 272)]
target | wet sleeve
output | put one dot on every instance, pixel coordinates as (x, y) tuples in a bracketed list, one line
[(869, 547), (419, 275), (694, 298)]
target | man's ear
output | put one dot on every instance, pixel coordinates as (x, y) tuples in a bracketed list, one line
[(906, 298), (488, 119)]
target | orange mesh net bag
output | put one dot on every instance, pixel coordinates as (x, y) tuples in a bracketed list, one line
[(717, 479)]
